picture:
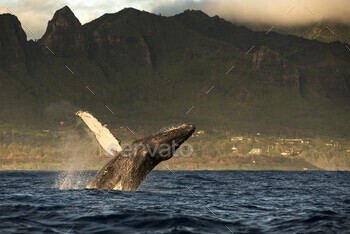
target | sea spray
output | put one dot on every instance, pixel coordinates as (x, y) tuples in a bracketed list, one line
[(78, 149), (72, 179)]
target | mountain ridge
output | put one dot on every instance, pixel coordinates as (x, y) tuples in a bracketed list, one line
[(147, 66)]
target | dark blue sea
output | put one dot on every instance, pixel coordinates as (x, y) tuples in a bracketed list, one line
[(177, 202)]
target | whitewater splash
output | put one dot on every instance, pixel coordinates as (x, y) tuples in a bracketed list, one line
[(72, 179)]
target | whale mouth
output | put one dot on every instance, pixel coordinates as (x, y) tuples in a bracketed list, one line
[(179, 134), (162, 146), (182, 126)]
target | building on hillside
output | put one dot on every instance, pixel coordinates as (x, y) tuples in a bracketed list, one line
[(201, 132), (237, 139), (293, 141), (255, 151), (234, 150)]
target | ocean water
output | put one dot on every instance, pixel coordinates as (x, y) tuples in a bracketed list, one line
[(177, 202)]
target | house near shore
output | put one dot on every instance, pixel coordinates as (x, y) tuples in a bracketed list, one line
[(234, 149), (290, 153), (255, 151), (293, 141), (201, 132), (237, 139)]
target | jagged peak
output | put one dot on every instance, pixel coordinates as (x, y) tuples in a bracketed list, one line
[(64, 10), (63, 19), (9, 17), (8, 22), (64, 33), (65, 16)]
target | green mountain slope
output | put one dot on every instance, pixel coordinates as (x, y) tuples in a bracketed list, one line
[(151, 70), (328, 32), (321, 31)]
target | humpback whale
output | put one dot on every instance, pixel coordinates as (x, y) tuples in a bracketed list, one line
[(130, 165)]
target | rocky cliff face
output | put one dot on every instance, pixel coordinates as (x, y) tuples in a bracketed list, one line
[(64, 35), (140, 64), (13, 45), (272, 68), (114, 38), (282, 59)]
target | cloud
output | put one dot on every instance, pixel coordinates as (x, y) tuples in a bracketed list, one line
[(281, 12)]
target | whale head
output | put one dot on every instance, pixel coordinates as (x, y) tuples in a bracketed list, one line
[(161, 146)]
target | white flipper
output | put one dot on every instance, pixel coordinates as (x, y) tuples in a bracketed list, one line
[(103, 135)]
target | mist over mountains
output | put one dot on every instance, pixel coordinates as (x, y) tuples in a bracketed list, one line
[(148, 70)]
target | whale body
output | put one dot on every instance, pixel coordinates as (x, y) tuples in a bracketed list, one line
[(130, 165)]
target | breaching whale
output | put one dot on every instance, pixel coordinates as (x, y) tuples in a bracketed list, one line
[(130, 165)]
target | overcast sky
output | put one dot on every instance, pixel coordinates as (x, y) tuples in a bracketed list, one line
[(34, 14)]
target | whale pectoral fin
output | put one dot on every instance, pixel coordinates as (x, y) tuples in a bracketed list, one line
[(104, 137)]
